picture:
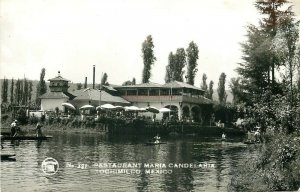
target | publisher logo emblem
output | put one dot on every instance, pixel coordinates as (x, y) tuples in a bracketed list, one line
[(50, 166)]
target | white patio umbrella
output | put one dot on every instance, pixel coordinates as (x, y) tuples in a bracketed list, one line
[(132, 108), (152, 109), (142, 110), (164, 110), (107, 106), (68, 105), (87, 107)]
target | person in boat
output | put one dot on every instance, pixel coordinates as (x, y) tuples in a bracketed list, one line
[(156, 139), (39, 130), (223, 136), (249, 137), (257, 135), (14, 128)]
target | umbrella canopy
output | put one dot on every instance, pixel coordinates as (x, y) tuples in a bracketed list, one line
[(107, 106), (152, 109), (142, 110), (68, 105), (132, 108), (87, 107), (165, 110)]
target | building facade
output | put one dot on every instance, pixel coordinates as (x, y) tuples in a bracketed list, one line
[(184, 100), (58, 94)]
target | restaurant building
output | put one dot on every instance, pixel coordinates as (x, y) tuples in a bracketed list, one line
[(186, 101)]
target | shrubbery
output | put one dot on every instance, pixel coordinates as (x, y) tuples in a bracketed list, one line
[(277, 165)]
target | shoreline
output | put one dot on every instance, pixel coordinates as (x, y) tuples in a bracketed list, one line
[(115, 129)]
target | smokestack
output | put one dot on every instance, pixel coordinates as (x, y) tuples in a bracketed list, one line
[(85, 83), (93, 76)]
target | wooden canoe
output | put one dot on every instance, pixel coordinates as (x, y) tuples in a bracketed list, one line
[(249, 142), (25, 137), (8, 156), (153, 143)]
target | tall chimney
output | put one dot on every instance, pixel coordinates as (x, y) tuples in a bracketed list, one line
[(93, 76), (85, 83)]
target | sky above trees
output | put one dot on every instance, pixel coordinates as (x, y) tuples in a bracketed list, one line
[(73, 35)]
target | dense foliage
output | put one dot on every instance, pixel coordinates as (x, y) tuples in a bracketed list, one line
[(271, 48), (174, 69), (148, 58), (221, 89), (41, 87), (4, 90), (203, 85), (192, 57)]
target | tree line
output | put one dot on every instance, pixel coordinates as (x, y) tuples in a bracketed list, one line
[(20, 92)]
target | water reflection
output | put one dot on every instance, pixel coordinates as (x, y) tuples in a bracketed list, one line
[(25, 174)]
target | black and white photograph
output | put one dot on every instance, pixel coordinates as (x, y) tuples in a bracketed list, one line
[(150, 95)]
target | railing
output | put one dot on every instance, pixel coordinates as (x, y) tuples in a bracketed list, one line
[(165, 98), (145, 98)]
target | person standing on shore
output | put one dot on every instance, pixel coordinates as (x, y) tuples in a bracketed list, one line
[(39, 130), (13, 128), (157, 139)]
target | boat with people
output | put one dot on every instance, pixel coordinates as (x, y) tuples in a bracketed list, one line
[(25, 137), (155, 141), (253, 136), (250, 142)]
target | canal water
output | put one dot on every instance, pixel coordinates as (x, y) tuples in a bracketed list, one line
[(92, 162)]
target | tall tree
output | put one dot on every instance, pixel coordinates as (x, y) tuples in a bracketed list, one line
[(4, 90), (41, 87), (30, 92), (204, 84), (104, 79), (286, 44), (78, 86), (18, 92), (12, 91), (210, 90), (192, 57), (221, 89), (133, 81), (273, 10), (180, 62), (174, 69), (236, 89), (256, 60), (25, 92), (148, 58), (170, 68)]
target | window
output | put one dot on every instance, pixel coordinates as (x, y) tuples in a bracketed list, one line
[(131, 92), (143, 92), (164, 92), (154, 92)]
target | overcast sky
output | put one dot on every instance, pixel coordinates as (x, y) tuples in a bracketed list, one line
[(73, 35)]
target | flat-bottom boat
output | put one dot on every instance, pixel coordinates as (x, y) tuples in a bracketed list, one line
[(8, 157), (25, 137), (155, 143), (250, 142)]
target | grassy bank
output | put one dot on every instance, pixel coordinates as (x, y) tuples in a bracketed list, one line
[(276, 167)]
